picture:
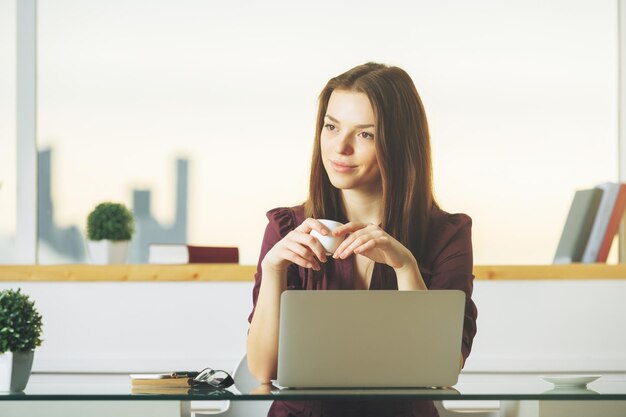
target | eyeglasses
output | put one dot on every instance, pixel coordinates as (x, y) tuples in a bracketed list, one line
[(213, 377)]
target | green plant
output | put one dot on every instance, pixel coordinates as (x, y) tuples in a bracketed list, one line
[(20, 323), (111, 221)]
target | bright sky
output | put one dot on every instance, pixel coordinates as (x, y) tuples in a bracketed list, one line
[(520, 95)]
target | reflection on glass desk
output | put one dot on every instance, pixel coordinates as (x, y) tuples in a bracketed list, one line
[(67, 391)]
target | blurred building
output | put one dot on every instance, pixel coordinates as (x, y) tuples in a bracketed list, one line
[(148, 229), (60, 244)]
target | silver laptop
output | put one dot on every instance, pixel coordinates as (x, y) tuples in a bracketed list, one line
[(370, 339)]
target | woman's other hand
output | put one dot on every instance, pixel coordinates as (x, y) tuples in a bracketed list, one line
[(373, 242)]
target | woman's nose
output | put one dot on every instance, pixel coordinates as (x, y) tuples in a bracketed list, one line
[(344, 145)]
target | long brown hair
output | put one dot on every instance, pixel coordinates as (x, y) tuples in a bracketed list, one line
[(403, 150)]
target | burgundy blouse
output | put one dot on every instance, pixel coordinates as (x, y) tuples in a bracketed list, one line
[(446, 264)]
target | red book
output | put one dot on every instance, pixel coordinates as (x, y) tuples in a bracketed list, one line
[(213, 254), (611, 229)]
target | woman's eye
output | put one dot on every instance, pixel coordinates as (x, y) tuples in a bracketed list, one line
[(366, 135), (330, 127)]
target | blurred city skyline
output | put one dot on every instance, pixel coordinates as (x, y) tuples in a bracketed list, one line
[(67, 244)]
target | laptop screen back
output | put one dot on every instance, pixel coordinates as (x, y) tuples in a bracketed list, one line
[(370, 338)]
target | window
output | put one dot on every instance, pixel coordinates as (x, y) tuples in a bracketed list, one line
[(201, 117)]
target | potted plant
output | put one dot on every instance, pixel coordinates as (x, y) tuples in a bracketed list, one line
[(20, 334), (109, 229)]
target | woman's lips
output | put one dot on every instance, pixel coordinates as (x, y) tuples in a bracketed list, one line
[(341, 167)]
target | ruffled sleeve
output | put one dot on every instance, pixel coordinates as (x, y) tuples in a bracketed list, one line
[(282, 220), (452, 266)]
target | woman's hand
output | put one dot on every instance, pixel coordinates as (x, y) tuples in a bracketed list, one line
[(298, 247), (374, 243)]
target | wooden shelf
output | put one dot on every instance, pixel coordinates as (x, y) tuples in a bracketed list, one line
[(235, 273), (550, 272), (130, 272)]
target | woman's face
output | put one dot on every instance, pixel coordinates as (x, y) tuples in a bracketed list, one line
[(347, 142)]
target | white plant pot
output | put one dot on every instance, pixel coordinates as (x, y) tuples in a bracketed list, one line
[(106, 252), (15, 370)]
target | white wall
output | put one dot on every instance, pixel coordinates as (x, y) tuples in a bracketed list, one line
[(122, 327), (550, 325)]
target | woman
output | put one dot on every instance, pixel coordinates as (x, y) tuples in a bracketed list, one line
[(371, 170)]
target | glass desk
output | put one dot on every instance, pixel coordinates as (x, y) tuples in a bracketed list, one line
[(520, 395)]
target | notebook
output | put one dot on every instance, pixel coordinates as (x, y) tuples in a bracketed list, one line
[(370, 339)]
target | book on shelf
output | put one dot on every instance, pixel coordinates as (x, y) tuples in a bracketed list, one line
[(601, 221), (164, 253), (613, 224), (213, 254), (169, 253), (578, 226)]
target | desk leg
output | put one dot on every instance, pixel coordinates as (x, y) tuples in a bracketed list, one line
[(562, 408), (86, 408)]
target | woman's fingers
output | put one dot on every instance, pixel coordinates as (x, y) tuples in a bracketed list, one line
[(312, 224), (371, 244), (300, 261), (350, 228), (356, 229), (301, 252), (311, 243), (299, 247), (354, 243), (361, 234)]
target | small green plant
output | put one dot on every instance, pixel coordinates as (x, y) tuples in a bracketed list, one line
[(20, 323), (112, 221)]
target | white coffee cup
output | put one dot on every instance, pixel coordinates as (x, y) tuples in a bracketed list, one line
[(329, 242)]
